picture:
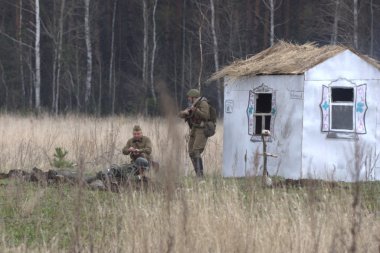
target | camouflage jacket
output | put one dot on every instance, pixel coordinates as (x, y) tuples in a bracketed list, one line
[(144, 145)]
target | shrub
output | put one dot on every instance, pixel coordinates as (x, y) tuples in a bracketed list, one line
[(59, 160)]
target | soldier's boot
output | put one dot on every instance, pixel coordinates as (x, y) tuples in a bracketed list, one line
[(201, 167), (194, 163), (198, 166)]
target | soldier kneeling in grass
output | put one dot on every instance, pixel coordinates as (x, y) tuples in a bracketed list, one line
[(139, 149), (138, 146)]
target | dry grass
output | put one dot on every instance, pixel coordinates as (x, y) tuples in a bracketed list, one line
[(28, 142), (181, 215), (285, 59)]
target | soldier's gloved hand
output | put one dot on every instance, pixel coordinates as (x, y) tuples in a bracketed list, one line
[(183, 114), (136, 151)]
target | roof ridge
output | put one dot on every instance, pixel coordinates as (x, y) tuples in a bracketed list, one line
[(285, 58)]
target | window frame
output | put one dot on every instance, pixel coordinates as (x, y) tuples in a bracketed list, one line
[(262, 114), (359, 110), (252, 114), (345, 103)]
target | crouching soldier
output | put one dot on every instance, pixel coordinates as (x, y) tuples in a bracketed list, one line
[(138, 146), (139, 149), (196, 115)]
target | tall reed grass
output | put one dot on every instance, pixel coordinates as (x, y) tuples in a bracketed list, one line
[(177, 213), (28, 142)]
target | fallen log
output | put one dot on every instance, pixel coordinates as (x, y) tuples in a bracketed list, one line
[(114, 179)]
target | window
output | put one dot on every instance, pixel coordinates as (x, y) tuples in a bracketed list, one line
[(261, 112), (343, 108)]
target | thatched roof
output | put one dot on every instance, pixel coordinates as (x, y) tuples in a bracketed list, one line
[(285, 59)]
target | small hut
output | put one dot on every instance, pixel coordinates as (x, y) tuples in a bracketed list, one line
[(321, 105)]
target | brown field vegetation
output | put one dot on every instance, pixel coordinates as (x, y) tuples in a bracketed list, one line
[(177, 213), (28, 142)]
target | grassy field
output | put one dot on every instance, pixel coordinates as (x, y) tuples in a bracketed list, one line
[(177, 213)]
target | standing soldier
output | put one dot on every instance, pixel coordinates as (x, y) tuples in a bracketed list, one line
[(138, 146), (196, 115)]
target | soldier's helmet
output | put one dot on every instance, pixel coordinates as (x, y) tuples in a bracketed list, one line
[(142, 162), (193, 93)]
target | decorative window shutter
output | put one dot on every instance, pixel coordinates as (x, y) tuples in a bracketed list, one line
[(250, 112), (361, 108), (325, 107), (273, 112)]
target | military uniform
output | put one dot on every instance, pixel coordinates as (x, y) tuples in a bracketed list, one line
[(196, 120), (143, 144)]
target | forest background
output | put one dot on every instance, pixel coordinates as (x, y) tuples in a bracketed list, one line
[(118, 56)]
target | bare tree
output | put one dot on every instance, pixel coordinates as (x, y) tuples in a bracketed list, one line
[(216, 52), (37, 79), (31, 77), (145, 45), (111, 71), (152, 89), (335, 22), (20, 50), (272, 6), (79, 55), (348, 28), (334, 34), (231, 19), (99, 64), (355, 13), (57, 60), (2, 80), (200, 52), (183, 53), (89, 53), (287, 19)]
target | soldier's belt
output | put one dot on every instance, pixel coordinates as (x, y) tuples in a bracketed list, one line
[(199, 126)]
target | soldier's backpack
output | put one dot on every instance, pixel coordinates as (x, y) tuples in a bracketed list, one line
[(210, 125)]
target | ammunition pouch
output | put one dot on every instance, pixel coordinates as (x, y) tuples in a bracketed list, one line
[(209, 128)]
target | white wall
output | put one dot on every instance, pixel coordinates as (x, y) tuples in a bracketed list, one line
[(287, 128), (304, 150), (350, 66), (334, 158)]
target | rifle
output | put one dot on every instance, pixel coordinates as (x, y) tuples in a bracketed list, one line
[(188, 112)]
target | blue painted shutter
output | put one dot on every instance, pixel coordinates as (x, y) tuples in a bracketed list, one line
[(273, 112), (361, 108), (325, 107), (250, 112)]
